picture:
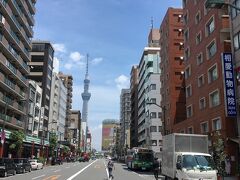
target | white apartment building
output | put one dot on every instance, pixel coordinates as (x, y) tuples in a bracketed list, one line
[(34, 115), (149, 115), (57, 113)]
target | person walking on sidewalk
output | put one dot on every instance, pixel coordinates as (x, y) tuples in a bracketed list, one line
[(110, 166)]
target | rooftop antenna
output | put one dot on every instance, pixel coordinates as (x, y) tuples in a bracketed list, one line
[(87, 65), (151, 22)]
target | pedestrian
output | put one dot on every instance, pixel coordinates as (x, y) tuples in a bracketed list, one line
[(110, 166)]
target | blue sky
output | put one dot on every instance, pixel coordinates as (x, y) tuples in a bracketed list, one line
[(112, 32)]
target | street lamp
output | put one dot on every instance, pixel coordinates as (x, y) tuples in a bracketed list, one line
[(219, 3), (164, 115)]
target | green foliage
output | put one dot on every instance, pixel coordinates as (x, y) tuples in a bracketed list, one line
[(219, 154), (17, 138), (42, 160), (66, 149), (53, 140)]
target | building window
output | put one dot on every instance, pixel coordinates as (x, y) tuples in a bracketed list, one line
[(236, 41), (206, 10), (199, 59), (202, 103), (153, 86), (190, 130), (188, 91), (153, 115), (198, 17), (187, 72), (212, 74), (214, 98), (216, 124), (160, 129), (187, 53), (210, 26), (198, 38), (154, 142), (160, 142), (186, 35), (189, 111), (153, 129), (234, 11), (204, 127), (201, 80), (185, 18), (211, 49), (153, 100)]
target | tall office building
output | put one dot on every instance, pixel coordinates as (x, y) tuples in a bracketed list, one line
[(68, 82), (149, 115), (58, 104), (134, 107), (85, 97), (41, 66), (125, 113), (16, 23), (209, 76), (172, 69)]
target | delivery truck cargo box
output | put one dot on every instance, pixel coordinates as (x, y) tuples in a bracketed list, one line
[(180, 143)]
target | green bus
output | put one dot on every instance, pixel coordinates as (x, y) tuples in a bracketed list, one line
[(139, 159)]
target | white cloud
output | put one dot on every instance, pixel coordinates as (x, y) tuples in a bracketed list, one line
[(59, 48), (122, 82), (68, 66), (96, 61), (56, 64), (76, 56)]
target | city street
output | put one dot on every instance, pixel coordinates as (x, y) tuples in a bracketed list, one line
[(92, 170)]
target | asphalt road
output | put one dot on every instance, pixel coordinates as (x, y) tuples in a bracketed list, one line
[(92, 170)]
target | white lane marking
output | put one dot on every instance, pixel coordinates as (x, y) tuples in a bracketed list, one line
[(67, 167), (57, 170), (38, 177), (106, 169), (73, 176)]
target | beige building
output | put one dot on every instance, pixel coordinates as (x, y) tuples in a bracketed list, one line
[(68, 82)]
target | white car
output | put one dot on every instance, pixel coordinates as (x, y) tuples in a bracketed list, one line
[(36, 164)]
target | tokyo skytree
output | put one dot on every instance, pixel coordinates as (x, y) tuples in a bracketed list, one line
[(85, 97)]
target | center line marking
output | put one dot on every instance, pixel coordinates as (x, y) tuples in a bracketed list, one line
[(38, 177), (73, 176), (57, 170)]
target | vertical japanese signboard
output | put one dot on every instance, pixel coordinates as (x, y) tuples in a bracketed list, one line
[(230, 100)]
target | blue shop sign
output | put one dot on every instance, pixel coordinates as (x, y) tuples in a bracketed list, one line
[(230, 99)]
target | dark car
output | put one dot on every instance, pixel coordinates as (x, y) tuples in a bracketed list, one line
[(7, 166), (56, 161), (23, 165)]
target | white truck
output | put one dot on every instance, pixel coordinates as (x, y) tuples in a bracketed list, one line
[(186, 157)]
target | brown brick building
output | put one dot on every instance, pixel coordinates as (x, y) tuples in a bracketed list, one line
[(172, 68), (134, 107), (206, 37)]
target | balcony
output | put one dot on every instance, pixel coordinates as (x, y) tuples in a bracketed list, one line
[(13, 34), (5, 117), (31, 6), (17, 7), (9, 83), (7, 100), (11, 67), (13, 51), (4, 3), (16, 23)]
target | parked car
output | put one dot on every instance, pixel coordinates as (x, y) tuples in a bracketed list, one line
[(22, 165), (55, 161), (7, 166), (36, 164)]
